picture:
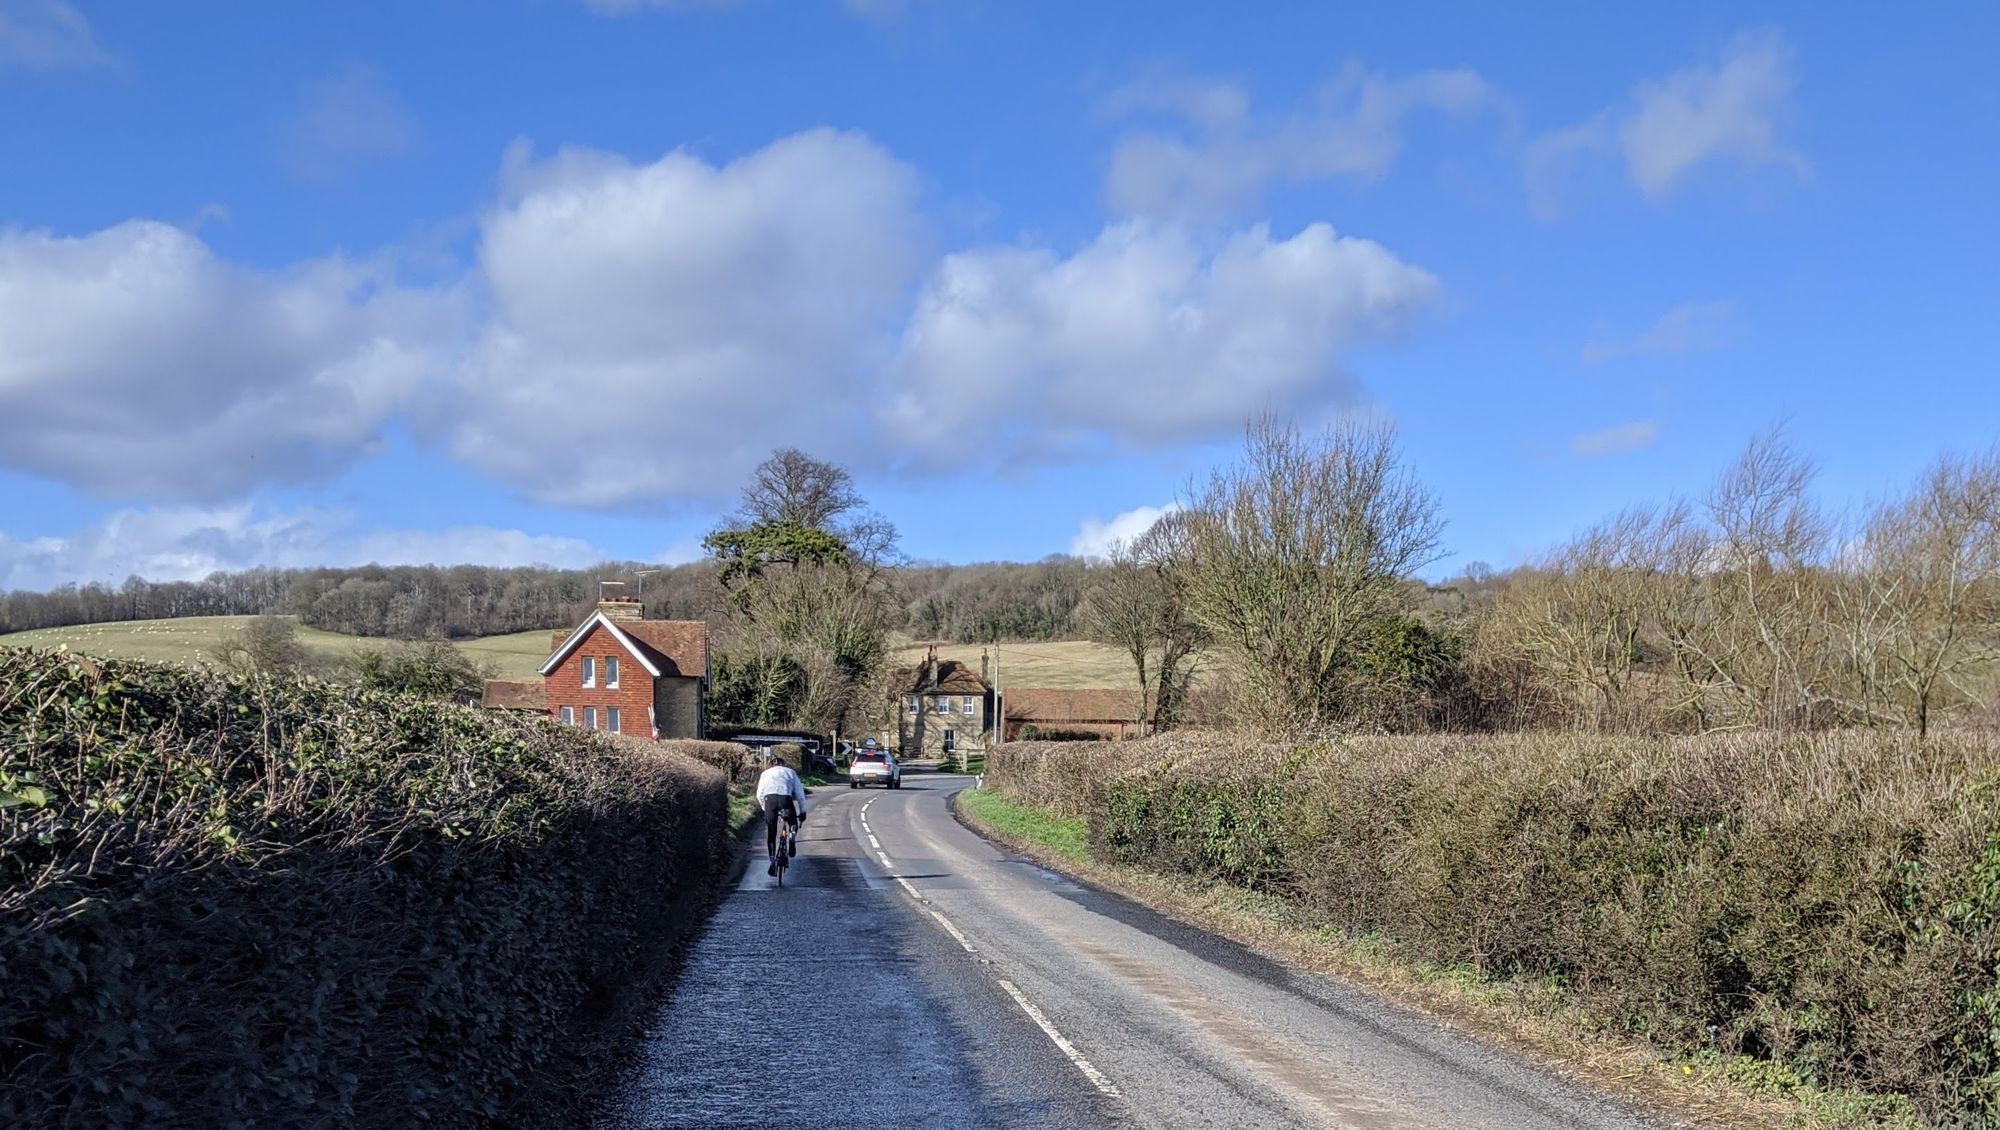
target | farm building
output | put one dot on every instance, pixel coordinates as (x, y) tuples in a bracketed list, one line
[(620, 673), (1112, 714)]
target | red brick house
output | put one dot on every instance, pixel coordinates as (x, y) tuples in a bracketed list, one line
[(620, 673)]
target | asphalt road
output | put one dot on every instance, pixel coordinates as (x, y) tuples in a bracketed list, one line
[(912, 974)]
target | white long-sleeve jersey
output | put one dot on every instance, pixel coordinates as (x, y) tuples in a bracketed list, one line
[(779, 780)]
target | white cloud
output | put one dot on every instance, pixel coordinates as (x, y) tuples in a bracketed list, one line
[(638, 334), (1353, 128), (1728, 112), (349, 118), (47, 35), (1146, 337), (656, 329), (139, 365), (179, 543), (1615, 440), (1097, 539), (1686, 328)]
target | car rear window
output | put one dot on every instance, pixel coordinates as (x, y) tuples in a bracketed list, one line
[(871, 757)]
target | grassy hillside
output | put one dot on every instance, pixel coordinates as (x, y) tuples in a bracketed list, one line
[(192, 637), (1062, 663)]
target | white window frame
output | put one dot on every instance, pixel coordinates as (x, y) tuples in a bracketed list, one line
[(589, 670), (611, 720), (965, 705), (912, 704), (569, 716), (944, 704), (611, 672), (590, 718)]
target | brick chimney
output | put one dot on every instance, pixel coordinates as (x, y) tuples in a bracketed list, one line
[(622, 608)]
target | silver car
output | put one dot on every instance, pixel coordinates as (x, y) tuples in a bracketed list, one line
[(874, 767)]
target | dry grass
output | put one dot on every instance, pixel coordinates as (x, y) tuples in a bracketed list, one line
[(191, 638), (1063, 664)]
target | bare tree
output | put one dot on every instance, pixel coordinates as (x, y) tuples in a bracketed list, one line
[(1930, 571), (1298, 549), (792, 486), (1138, 603)]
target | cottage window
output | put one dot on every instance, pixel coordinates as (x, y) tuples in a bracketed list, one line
[(611, 718), (910, 704), (965, 705), (589, 671), (944, 704), (611, 671), (568, 716), (590, 718)]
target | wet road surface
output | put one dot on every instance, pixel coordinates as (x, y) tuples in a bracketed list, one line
[(912, 974)]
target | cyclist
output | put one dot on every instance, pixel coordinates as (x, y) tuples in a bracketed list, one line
[(779, 790)]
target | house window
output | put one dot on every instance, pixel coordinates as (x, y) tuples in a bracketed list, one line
[(944, 704), (589, 671), (965, 705), (910, 704), (611, 672), (590, 718), (568, 716), (611, 718)]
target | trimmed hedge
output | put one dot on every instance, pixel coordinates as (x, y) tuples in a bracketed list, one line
[(246, 902), (1828, 902)]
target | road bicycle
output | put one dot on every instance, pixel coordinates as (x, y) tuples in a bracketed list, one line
[(786, 848)]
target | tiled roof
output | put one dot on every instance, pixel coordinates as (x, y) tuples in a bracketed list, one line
[(1050, 704), (515, 694), (952, 677), (682, 643), (678, 647)]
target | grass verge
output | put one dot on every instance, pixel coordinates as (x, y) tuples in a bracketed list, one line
[(1531, 1019), (1016, 822)]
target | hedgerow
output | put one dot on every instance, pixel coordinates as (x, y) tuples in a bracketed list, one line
[(1829, 903), (253, 902)]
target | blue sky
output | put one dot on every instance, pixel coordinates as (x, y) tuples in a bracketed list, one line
[(538, 281)]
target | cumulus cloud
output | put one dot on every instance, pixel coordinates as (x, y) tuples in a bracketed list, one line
[(1684, 329), (1147, 336), (642, 333), (656, 329), (1616, 440), (349, 118), (47, 35), (178, 543), (1352, 128), (137, 364), (1728, 112), (1097, 539)]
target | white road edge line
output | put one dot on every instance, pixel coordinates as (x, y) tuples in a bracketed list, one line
[(1089, 1070), (874, 843)]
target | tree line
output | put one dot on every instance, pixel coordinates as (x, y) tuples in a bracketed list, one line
[(981, 603), (1288, 577)]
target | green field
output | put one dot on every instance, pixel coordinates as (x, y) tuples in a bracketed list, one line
[(193, 637)]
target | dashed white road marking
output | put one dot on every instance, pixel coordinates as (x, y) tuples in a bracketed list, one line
[(1062, 1044), (1097, 1078)]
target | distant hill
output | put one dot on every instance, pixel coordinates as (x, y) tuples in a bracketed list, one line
[(190, 638)]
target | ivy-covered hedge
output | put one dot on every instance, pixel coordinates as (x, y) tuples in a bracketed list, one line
[(1828, 903), (230, 902)]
